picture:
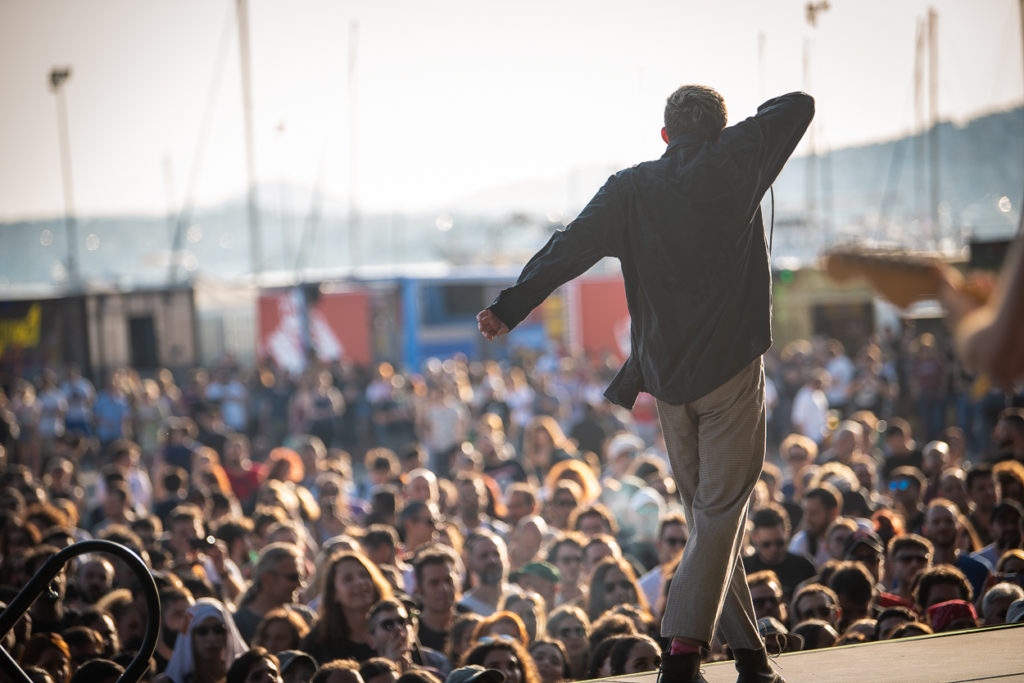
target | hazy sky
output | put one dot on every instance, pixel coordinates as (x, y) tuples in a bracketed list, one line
[(453, 96)]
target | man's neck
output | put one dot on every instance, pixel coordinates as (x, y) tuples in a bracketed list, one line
[(437, 621), (569, 591), (946, 554), (904, 589), (262, 604), (487, 594)]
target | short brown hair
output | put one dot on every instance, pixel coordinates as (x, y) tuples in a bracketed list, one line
[(943, 574), (695, 109)]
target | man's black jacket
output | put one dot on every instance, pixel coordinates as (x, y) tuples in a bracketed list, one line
[(688, 233)]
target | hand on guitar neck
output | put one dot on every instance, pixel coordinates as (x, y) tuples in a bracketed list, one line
[(986, 314), (904, 278)]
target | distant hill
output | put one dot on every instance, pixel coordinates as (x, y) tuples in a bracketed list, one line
[(877, 191)]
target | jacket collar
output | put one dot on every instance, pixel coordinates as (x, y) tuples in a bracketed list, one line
[(685, 141)]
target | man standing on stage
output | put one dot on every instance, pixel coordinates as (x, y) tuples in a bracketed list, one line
[(688, 233)]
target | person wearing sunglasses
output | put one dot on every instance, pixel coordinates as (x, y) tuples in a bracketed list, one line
[(906, 488), (570, 626), (769, 538), (392, 634), (766, 594), (815, 601), (612, 583), (208, 645), (907, 556), (277, 577), (671, 539)]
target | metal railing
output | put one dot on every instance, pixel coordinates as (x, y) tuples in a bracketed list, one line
[(41, 582)]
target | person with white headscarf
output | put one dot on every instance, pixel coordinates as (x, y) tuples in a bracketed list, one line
[(208, 645)]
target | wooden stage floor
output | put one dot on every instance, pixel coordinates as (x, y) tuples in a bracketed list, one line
[(992, 654)]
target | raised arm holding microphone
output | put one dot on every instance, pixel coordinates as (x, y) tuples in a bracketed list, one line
[(688, 233)]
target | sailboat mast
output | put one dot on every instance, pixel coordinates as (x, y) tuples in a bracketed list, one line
[(933, 116), (256, 251)]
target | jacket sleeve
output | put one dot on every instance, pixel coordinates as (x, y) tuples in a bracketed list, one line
[(783, 121), (768, 139), (568, 254)]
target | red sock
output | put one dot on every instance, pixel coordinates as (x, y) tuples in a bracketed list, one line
[(679, 647)]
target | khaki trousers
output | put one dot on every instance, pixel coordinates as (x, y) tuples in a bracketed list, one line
[(716, 447)]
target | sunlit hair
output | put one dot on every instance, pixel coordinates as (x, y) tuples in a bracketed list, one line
[(463, 624), (332, 625), (478, 654), (571, 538), (623, 646), (548, 425), (492, 422), (557, 645), (695, 109), (563, 612), (1009, 476), (817, 633), (576, 471), (837, 474), (239, 670), (269, 558), (346, 670), (574, 489), (485, 627), (537, 605), (968, 534), (803, 442), (595, 510), (296, 623), (38, 644), (596, 602), (285, 464), (910, 629), (1004, 559), (812, 589), (940, 575)]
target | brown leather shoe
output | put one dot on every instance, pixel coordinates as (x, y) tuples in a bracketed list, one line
[(680, 669), (754, 667)]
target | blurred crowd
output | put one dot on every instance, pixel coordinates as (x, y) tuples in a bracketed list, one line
[(484, 521)]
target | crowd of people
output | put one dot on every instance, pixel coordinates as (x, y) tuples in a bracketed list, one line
[(369, 524)]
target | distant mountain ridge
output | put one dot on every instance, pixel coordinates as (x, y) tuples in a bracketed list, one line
[(878, 191)]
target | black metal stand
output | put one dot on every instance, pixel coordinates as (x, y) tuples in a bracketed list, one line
[(41, 582)]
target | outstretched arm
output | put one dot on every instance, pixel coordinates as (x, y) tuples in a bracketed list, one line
[(569, 253)]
